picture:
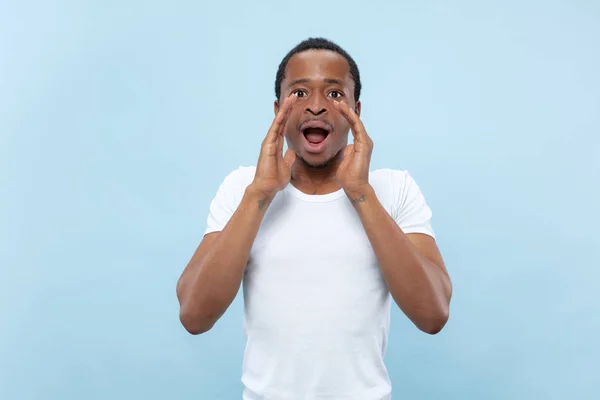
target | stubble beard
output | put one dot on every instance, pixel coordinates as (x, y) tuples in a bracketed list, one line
[(320, 165)]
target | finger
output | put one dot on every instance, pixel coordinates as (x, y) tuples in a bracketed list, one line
[(347, 155), (281, 118), (358, 129), (278, 148)]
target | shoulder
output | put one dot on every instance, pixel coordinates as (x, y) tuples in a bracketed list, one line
[(402, 197), (390, 180), (385, 176), (234, 184), (394, 186), (240, 177), (227, 198)]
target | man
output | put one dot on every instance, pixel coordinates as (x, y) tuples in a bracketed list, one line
[(320, 243)]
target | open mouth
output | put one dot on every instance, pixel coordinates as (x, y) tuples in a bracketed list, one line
[(315, 135), (315, 132)]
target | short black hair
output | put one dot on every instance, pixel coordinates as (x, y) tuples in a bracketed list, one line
[(318, 44)]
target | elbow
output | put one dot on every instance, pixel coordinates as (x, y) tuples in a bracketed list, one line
[(434, 323), (436, 319), (433, 328), (196, 323), (194, 319)]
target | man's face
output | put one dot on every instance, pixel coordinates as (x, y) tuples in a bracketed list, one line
[(315, 130)]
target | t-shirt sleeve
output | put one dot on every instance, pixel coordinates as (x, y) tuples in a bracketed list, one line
[(410, 210), (225, 201)]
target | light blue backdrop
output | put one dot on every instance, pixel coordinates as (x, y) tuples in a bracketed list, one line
[(118, 122)]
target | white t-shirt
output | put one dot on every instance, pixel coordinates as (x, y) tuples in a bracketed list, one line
[(316, 307)]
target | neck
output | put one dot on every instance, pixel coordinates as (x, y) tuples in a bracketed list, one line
[(312, 180)]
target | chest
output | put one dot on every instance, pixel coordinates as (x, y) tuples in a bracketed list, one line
[(315, 238), (313, 260)]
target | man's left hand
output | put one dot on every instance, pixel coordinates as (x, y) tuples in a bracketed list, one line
[(353, 172)]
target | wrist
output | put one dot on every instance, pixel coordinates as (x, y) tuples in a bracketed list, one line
[(255, 194), (359, 194)]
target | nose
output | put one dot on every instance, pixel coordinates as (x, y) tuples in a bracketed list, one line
[(317, 105)]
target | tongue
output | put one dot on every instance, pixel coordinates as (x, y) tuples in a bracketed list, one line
[(315, 137)]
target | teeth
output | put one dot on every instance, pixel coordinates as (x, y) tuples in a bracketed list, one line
[(316, 130)]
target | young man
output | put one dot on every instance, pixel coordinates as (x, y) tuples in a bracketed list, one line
[(320, 242)]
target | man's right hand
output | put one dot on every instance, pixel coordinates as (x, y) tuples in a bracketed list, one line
[(213, 276), (274, 170)]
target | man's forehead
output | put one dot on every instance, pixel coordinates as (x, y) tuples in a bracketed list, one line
[(318, 64)]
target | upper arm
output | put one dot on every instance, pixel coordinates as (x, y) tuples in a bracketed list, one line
[(409, 207), (189, 271), (414, 216), (227, 199), (428, 248), (222, 207)]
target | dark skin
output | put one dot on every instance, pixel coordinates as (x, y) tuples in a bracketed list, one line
[(317, 79), (317, 85)]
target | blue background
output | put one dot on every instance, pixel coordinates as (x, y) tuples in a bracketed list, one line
[(118, 121)]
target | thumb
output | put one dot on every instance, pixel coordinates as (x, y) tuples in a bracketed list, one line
[(348, 151), (289, 157)]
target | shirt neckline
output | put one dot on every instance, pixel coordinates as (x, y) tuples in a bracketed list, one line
[(314, 198)]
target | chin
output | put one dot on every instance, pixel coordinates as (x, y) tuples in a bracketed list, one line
[(317, 161)]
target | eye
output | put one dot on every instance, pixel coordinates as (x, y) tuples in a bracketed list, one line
[(299, 93), (334, 94)]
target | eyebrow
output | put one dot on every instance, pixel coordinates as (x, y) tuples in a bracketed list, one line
[(306, 80)]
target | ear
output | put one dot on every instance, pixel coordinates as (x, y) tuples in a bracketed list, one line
[(357, 108), (276, 107)]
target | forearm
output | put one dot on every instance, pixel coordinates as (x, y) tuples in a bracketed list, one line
[(420, 288), (214, 279)]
